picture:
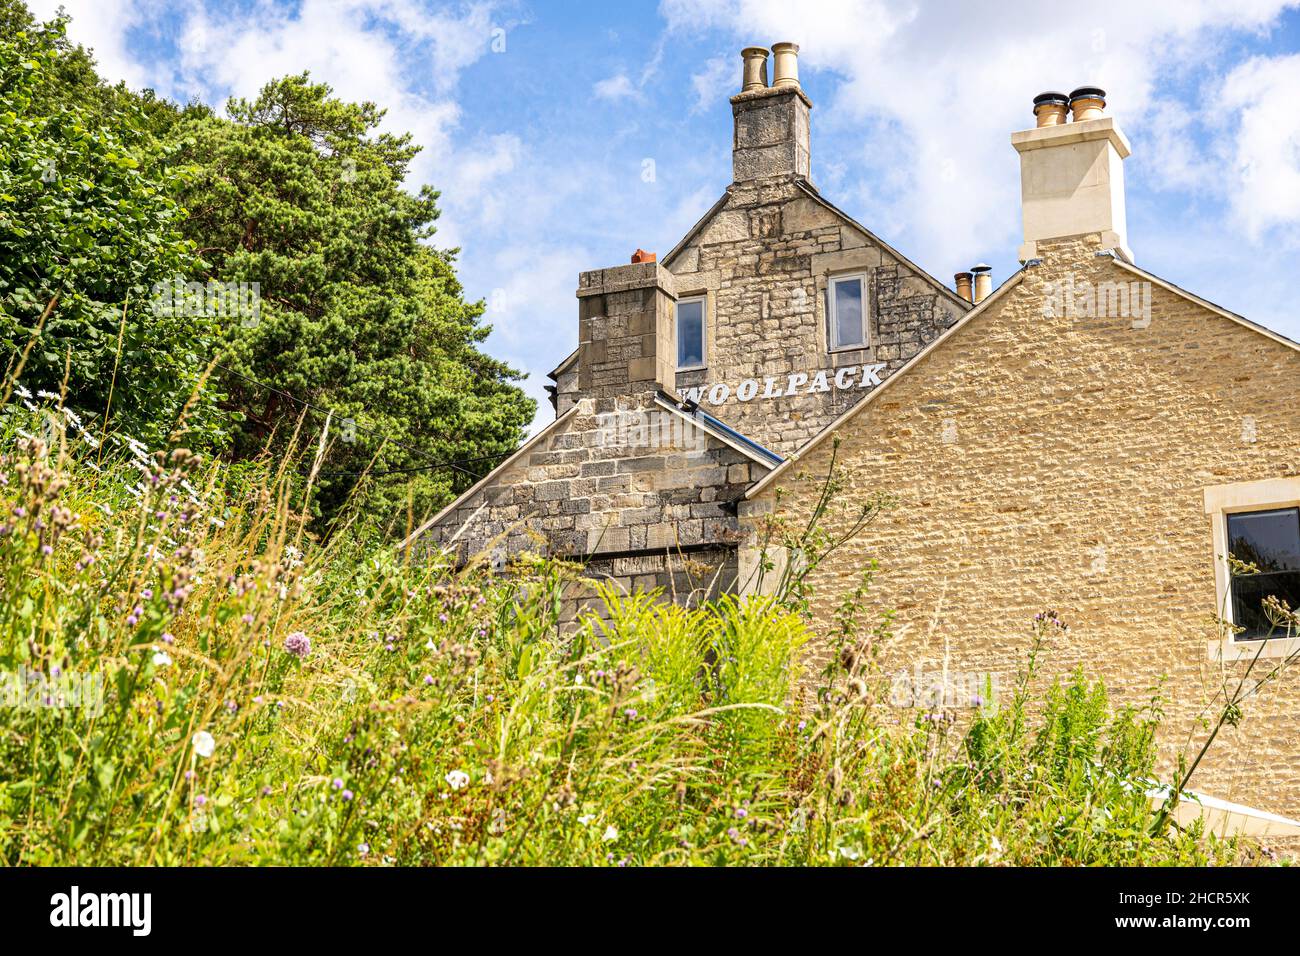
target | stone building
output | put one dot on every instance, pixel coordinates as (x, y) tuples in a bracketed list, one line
[(695, 376), (1093, 439)]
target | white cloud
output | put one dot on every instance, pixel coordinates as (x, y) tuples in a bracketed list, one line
[(102, 26), (714, 82), (616, 87), (939, 87), (1265, 143)]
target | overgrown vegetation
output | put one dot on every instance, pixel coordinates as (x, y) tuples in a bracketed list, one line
[(194, 670), (270, 699)]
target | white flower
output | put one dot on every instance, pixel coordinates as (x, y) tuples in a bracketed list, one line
[(586, 819), (161, 659), (457, 779), (203, 743), (611, 834)]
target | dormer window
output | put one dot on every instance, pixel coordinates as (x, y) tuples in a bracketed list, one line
[(846, 302), (690, 333)]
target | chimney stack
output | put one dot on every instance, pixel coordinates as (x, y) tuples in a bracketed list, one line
[(983, 281), (626, 338), (771, 133), (963, 285), (755, 74), (1072, 174)]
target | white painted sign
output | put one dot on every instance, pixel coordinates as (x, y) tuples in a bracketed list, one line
[(797, 383)]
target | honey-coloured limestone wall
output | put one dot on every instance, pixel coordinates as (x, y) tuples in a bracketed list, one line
[(1061, 463)]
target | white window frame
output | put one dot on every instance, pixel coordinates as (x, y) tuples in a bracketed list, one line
[(1221, 501), (832, 325), (703, 300)]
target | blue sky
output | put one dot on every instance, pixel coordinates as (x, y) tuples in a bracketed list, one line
[(564, 135)]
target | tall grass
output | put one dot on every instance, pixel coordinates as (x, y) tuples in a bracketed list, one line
[(268, 698)]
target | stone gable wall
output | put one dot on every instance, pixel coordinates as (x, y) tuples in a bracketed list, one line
[(616, 480), (762, 262), (1061, 463)]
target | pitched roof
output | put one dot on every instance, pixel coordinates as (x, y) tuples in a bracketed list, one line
[(720, 430), (525, 447), (1206, 303), (811, 191), (817, 439), (768, 479)]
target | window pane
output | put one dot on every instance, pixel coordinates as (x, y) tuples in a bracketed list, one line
[(848, 313), (1268, 539), (690, 333), (1248, 593)]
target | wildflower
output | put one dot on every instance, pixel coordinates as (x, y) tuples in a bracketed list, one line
[(167, 638), (337, 784), (346, 794), (611, 834), (363, 848), (189, 774), (457, 779), (428, 679), (298, 644), (200, 800), (741, 813), (586, 819), (204, 744), (161, 659), (266, 791), (630, 713)]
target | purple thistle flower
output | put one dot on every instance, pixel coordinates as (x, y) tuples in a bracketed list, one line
[(298, 644)]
